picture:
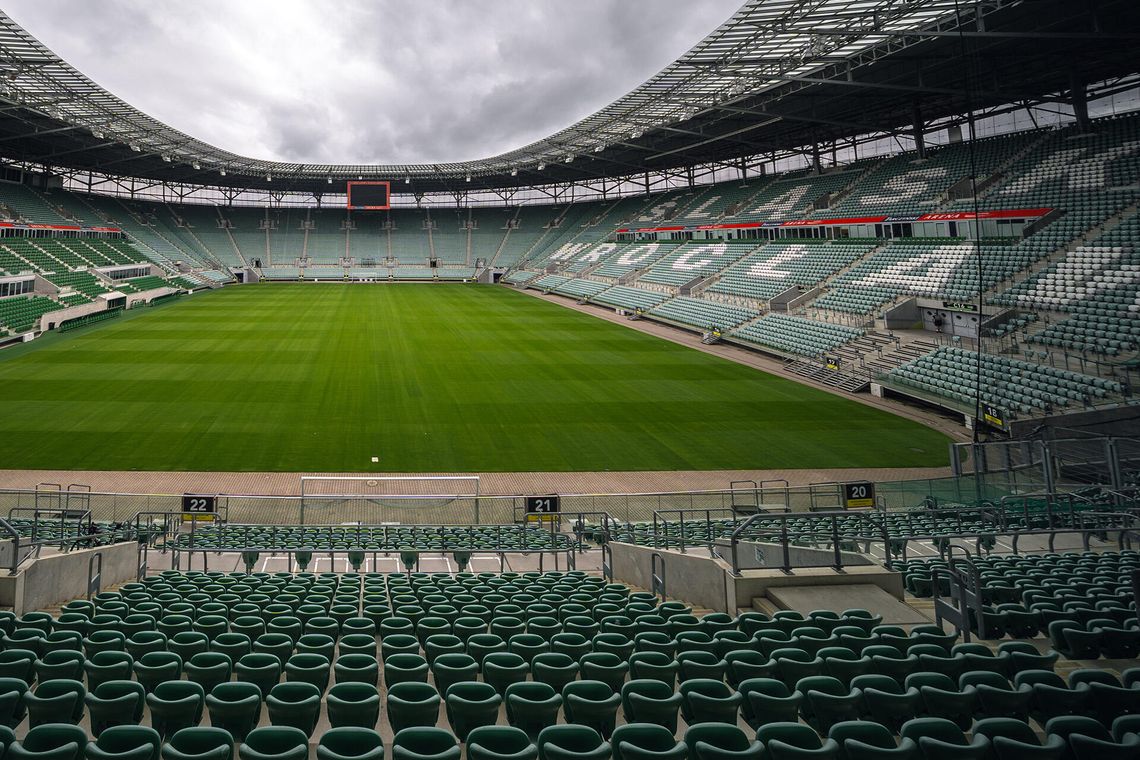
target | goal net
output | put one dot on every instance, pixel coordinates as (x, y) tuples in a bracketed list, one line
[(409, 500)]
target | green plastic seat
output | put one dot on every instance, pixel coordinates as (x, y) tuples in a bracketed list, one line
[(235, 707), (744, 664), (236, 645), (357, 643), (469, 705), (942, 698), (605, 667), (996, 697), (555, 669), (501, 669), (208, 669), (296, 704), (274, 743), (100, 639), (704, 700), (175, 705), (591, 703), (532, 706), (527, 645), (720, 741), (125, 743), (942, 739), (187, 644), (886, 702), (308, 667), (647, 700), (424, 743), (259, 668), (1108, 699), (656, 665), (572, 742), (279, 645), (402, 668), (865, 740), (827, 701), (646, 741), (412, 703), (59, 663), (448, 669), (1022, 655), (50, 741), (200, 743), (115, 703), (794, 741), (58, 701), (700, 665), (617, 643), (768, 700), (155, 667), (350, 743), (500, 743), (18, 663), (353, 704), (1013, 739), (12, 708), (1052, 697)]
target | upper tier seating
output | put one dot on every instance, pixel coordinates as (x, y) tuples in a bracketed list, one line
[(631, 257), (780, 265), (693, 260)]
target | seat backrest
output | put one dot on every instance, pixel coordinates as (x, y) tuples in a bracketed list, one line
[(875, 734), (1009, 728), (796, 734), (878, 682), (1067, 725), (934, 728)]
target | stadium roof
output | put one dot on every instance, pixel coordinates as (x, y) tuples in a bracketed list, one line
[(779, 75)]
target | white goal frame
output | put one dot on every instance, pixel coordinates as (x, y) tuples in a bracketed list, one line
[(374, 489)]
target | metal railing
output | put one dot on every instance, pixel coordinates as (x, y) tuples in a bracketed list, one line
[(1087, 524)]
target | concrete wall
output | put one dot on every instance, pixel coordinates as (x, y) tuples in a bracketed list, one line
[(695, 577), (54, 579), (708, 582)]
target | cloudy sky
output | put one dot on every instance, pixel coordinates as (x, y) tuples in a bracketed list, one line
[(380, 81)]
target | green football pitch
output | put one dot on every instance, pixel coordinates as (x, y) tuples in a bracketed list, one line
[(427, 378)]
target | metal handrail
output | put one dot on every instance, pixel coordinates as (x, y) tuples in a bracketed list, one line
[(1091, 523)]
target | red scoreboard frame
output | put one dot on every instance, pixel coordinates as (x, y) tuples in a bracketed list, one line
[(388, 194)]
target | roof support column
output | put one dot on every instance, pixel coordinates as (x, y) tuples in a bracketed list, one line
[(1079, 98), (919, 130), (647, 184), (815, 167)]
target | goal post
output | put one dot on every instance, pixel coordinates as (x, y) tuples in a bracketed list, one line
[(406, 499)]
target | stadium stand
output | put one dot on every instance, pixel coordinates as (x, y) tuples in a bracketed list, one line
[(692, 261), (1017, 385), (796, 335), (702, 314), (631, 258), (779, 265), (21, 313)]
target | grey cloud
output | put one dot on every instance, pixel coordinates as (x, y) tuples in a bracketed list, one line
[(391, 81)]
